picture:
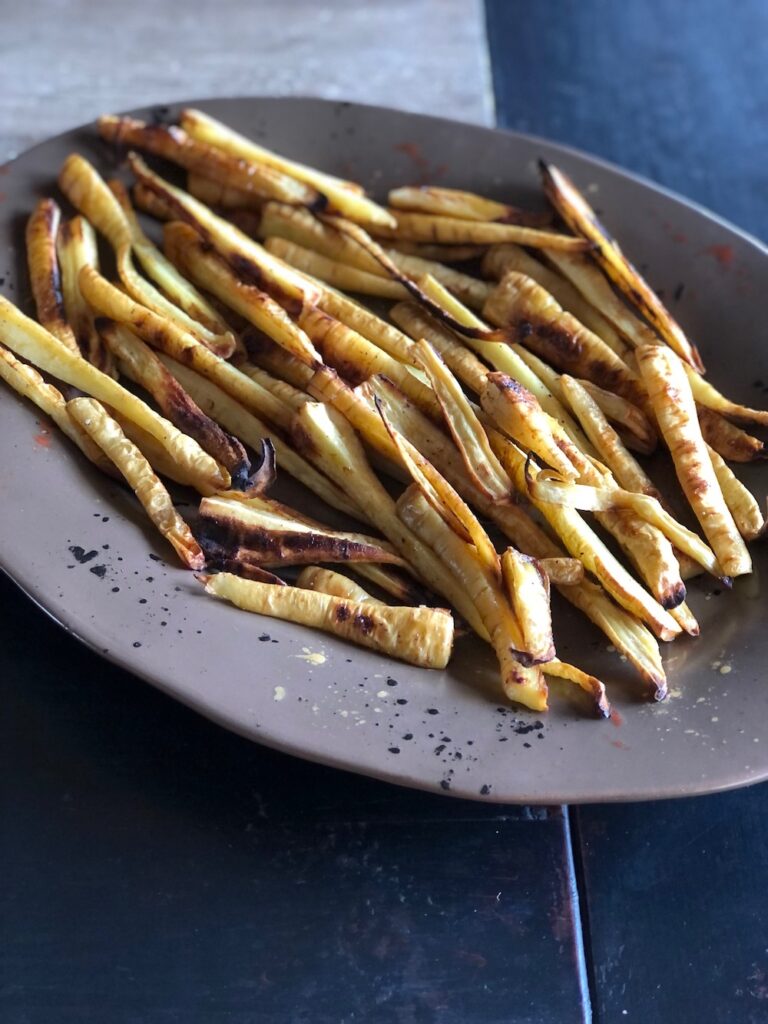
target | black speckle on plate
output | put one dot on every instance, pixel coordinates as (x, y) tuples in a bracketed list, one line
[(99, 570)]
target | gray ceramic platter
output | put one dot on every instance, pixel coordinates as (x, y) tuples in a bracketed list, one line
[(310, 695)]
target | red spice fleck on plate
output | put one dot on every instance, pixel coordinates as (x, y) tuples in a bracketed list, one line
[(724, 254)]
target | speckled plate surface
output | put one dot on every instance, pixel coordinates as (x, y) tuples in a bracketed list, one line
[(78, 545)]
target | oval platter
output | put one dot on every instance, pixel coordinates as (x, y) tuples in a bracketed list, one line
[(306, 693)]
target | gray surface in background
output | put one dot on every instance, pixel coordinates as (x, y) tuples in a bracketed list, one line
[(56, 72)]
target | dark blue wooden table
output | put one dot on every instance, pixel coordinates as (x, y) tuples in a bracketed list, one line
[(155, 869)]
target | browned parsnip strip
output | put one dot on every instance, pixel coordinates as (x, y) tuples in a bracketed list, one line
[(334, 583), (605, 496), (442, 497), (728, 440), (140, 364), (631, 422), (44, 275), (299, 226), (452, 202), (86, 189), (522, 683), (504, 359), (287, 393), (482, 466), (76, 247), (581, 218), (28, 383), (501, 258), (334, 273), (589, 281), (164, 335), (420, 636), (563, 572), (181, 291), (342, 196), (742, 504), (425, 227), (356, 359), (527, 588), (685, 619), (590, 684), (627, 470), (337, 449), (517, 413), (675, 410), (106, 433), (533, 318), (250, 260), (174, 144), (273, 539), (236, 419), (187, 249), (31, 341), (225, 197), (372, 327)]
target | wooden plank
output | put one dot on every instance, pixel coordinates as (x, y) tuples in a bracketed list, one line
[(64, 65), (156, 867), (676, 894)]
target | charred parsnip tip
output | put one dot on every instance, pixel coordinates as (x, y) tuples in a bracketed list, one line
[(421, 636), (140, 364), (452, 202), (675, 410), (44, 275), (590, 684), (241, 423), (581, 218), (156, 500)]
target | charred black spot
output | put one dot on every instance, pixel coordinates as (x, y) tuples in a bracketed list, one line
[(675, 599), (342, 613), (364, 623), (99, 570)]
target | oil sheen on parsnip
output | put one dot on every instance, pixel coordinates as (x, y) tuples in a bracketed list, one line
[(79, 546)]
